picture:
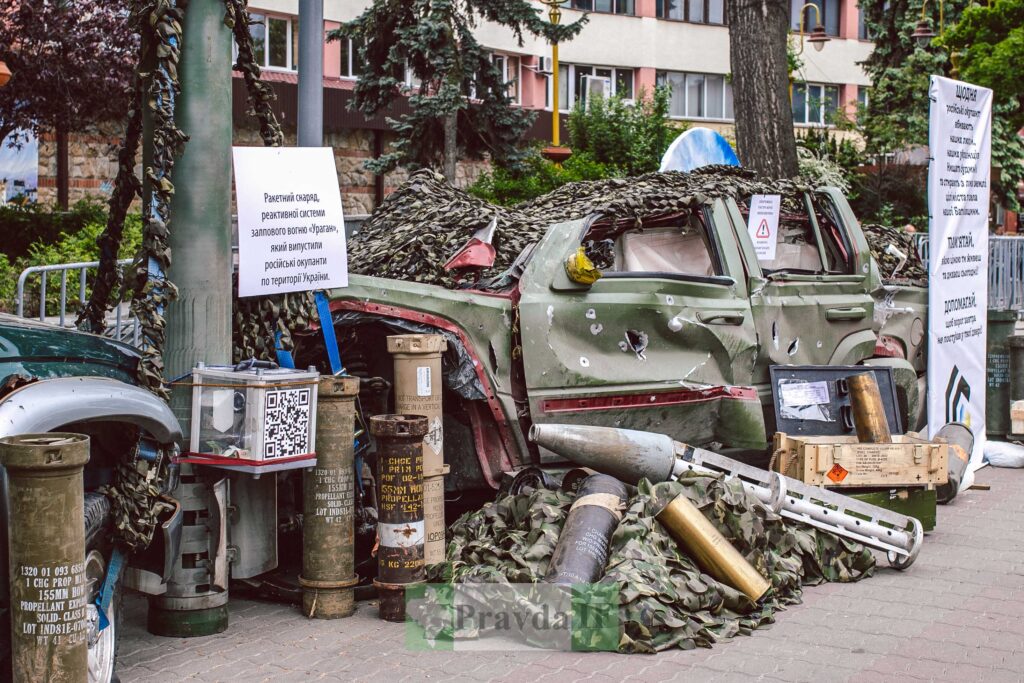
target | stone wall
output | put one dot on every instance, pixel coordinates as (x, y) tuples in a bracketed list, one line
[(93, 165)]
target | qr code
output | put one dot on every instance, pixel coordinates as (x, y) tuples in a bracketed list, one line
[(286, 423)]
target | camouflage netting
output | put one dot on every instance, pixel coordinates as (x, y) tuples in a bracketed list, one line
[(665, 600), (422, 224), (913, 272)]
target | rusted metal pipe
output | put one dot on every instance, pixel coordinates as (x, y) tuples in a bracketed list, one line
[(46, 528), (328, 526), (400, 526), (868, 411), (710, 549), (581, 552)]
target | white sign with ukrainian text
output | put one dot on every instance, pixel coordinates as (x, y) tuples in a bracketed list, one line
[(763, 224), (291, 229), (959, 141)]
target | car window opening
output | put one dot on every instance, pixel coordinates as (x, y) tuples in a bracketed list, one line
[(676, 244), (797, 249)]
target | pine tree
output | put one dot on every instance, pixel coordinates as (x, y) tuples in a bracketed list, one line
[(460, 106)]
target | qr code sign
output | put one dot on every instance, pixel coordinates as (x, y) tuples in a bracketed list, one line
[(286, 423)]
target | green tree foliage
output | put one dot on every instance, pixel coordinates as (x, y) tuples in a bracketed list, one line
[(75, 242), (897, 113), (628, 138), (610, 138), (434, 39), (989, 44)]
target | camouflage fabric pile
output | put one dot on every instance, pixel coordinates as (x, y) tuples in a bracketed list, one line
[(422, 224), (665, 601), (913, 272)]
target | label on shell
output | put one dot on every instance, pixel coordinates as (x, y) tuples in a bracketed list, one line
[(837, 473), (423, 387), (435, 437), (401, 535)]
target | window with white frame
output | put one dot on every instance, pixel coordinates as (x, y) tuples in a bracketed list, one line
[(610, 6), (693, 11), (697, 96), (829, 11), (815, 103), (351, 61), (509, 67), (275, 41), (572, 86)]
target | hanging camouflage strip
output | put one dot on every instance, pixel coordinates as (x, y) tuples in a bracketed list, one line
[(665, 600), (135, 499), (237, 19), (127, 187), (422, 224)]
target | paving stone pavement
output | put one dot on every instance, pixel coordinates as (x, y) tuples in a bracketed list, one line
[(956, 615)]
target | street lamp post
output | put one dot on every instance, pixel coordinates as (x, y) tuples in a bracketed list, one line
[(923, 32), (818, 37), (555, 152)]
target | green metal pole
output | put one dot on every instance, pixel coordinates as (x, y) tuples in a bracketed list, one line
[(199, 321)]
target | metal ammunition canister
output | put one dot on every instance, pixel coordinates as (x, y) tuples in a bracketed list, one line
[(868, 411), (581, 552), (46, 531), (417, 359), (328, 524), (400, 527), (710, 549)]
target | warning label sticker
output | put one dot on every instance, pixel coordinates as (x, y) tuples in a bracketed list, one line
[(763, 224), (837, 473)]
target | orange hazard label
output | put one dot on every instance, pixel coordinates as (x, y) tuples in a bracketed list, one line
[(837, 473)]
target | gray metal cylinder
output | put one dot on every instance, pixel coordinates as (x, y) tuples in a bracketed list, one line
[(46, 528), (195, 603)]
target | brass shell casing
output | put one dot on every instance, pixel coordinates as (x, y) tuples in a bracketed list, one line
[(711, 550), (868, 411)]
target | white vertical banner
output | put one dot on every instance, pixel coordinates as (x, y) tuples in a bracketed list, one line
[(959, 142)]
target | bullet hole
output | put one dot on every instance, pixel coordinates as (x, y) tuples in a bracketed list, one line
[(775, 335), (636, 341), (818, 345), (591, 314), (584, 361), (675, 324), (596, 328), (670, 300), (793, 347)]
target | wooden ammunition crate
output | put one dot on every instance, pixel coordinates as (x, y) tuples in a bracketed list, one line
[(843, 461)]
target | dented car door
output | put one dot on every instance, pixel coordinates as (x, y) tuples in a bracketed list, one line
[(811, 303), (659, 342)]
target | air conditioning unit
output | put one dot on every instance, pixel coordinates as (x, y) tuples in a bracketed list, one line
[(543, 66), (596, 85)]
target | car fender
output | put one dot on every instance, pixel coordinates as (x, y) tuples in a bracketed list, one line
[(51, 403)]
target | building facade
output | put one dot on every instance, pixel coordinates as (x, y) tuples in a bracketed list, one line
[(627, 48)]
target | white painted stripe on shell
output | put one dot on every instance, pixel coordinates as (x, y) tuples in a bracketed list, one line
[(403, 535)]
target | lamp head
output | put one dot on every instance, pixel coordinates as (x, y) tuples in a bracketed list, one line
[(818, 38), (923, 33)]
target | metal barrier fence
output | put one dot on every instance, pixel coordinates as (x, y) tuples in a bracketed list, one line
[(1005, 270), (122, 328)]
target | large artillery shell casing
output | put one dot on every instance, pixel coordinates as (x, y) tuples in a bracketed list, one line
[(433, 517), (400, 527), (328, 530), (868, 410), (417, 360), (46, 531), (581, 552), (711, 550)]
